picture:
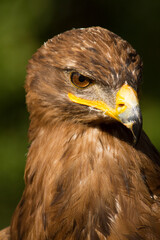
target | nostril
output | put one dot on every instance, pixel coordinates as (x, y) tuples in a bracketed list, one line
[(121, 105)]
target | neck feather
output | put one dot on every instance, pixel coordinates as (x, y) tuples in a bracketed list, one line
[(74, 175)]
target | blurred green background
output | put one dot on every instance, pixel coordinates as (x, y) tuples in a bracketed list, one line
[(24, 26)]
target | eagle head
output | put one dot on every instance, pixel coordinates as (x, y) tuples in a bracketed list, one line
[(86, 75)]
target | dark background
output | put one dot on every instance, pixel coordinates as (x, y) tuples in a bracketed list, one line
[(24, 26)]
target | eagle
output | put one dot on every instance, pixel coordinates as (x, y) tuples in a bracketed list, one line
[(91, 172)]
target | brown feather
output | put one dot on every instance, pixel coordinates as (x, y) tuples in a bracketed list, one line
[(5, 234), (84, 178)]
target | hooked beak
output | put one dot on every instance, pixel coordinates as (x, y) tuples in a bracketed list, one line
[(126, 111)]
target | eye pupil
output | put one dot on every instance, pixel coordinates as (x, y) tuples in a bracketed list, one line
[(81, 78)]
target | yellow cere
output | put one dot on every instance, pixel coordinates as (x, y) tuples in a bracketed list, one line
[(126, 96)]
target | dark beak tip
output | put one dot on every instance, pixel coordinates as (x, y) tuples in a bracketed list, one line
[(136, 131), (132, 119)]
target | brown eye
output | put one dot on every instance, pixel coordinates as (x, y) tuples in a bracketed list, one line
[(79, 80)]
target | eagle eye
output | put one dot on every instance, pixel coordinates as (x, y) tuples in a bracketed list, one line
[(79, 80)]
